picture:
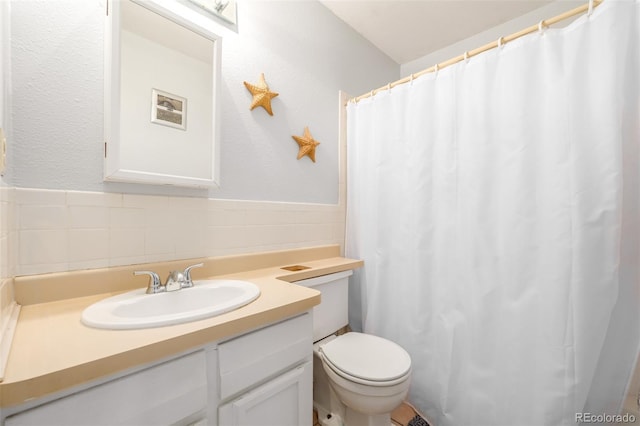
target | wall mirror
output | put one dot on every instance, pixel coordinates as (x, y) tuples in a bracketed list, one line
[(161, 94)]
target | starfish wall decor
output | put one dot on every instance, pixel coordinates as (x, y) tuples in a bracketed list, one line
[(307, 145), (261, 94)]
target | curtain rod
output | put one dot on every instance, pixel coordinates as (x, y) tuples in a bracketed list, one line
[(501, 41)]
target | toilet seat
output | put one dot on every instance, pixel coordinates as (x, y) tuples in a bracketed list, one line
[(367, 359)]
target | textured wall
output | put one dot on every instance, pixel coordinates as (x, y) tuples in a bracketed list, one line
[(306, 53), (57, 85), (4, 58)]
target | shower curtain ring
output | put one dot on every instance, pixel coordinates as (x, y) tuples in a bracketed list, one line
[(541, 26), (590, 11), (466, 56), (389, 87), (435, 68), (500, 41)]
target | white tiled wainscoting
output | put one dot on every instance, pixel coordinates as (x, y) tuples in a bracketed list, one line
[(69, 230), (8, 238), (7, 231)]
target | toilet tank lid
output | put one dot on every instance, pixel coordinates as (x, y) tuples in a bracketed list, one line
[(367, 357)]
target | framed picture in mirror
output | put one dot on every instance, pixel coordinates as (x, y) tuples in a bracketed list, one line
[(168, 109)]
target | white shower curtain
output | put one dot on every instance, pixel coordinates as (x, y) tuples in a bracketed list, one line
[(495, 205)]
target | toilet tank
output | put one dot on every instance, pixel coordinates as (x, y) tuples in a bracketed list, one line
[(333, 312)]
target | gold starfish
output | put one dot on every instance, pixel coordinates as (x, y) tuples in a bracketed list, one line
[(307, 145), (261, 94)]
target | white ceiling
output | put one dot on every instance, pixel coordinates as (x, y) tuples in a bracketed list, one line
[(409, 29)]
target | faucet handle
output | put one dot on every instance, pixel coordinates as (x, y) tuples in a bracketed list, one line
[(187, 274), (155, 285)]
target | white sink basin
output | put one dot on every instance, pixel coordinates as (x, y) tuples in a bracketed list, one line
[(136, 309)]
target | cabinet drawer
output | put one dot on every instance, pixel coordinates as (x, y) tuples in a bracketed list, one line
[(254, 357), (160, 395)]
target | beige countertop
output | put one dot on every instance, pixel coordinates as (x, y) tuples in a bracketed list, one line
[(52, 350)]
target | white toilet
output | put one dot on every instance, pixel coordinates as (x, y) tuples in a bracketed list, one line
[(358, 379)]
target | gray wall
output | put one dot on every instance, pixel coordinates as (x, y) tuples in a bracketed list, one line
[(5, 58), (306, 53)]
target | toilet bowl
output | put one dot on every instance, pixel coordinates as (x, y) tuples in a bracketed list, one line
[(358, 378), (369, 374)]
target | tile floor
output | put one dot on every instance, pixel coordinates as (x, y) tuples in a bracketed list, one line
[(402, 415)]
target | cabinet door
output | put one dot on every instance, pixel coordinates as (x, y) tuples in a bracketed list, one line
[(284, 401)]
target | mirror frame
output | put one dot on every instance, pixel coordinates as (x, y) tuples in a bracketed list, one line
[(181, 15)]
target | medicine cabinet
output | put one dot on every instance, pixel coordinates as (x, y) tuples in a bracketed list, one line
[(162, 65)]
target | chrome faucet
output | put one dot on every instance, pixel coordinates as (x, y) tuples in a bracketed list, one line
[(175, 281)]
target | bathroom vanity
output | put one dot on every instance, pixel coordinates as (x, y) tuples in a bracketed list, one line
[(246, 367), (264, 374)]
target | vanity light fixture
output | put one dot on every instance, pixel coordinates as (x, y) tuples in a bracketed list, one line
[(221, 5)]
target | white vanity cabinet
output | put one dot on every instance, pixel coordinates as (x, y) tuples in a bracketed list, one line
[(263, 377)]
